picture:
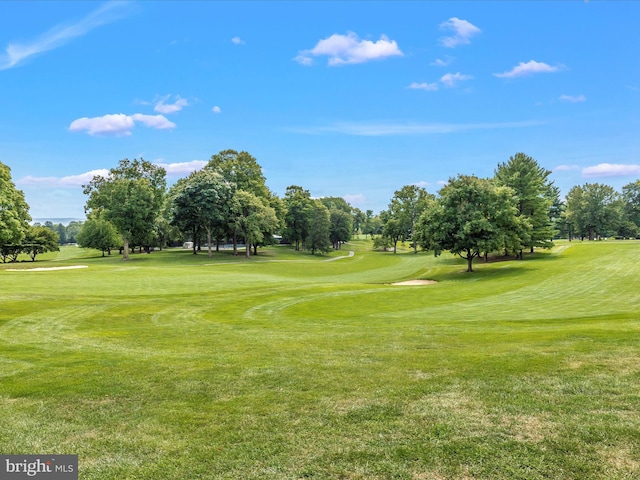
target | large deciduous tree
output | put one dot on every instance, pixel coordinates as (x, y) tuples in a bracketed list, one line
[(242, 170), (470, 216), (40, 240), (244, 173), (594, 209), (631, 199), (202, 201), (535, 196), (341, 227), (405, 208), (298, 204), (392, 231), (14, 211), (99, 234), (130, 197), (319, 229), (341, 217), (251, 218)]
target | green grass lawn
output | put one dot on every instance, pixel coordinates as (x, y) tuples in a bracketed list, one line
[(289, 366)]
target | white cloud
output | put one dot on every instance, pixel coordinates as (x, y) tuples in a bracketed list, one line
[(438, 62), (462, 29), (74, 181), (566, 168), (61, 34), (115, 124), (442, 182), (611, 170), (159, 122), (69, 181), (430, 87), (182, 168), (216, 109), (237, 41), (166, 108), (355, 200), (383, 129), (422, 184), (529, 68), (572, 98), (450, 80), (118, 124), (349, 49)]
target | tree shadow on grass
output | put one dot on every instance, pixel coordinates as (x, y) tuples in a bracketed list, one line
[(497, 268)]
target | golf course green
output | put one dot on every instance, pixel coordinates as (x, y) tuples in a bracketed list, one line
[(293, 366)]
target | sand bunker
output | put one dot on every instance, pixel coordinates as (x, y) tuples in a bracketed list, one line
[(45, 269), (416, 282)]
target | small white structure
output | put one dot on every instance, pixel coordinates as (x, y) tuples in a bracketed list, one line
[(187, 245)]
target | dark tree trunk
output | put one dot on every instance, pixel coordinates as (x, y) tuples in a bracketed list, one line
[(125, 248), (469, 258)]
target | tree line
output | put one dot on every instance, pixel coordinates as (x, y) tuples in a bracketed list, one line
[(228, 202)]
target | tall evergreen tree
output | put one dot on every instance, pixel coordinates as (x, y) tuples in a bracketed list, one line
[(533, 194)]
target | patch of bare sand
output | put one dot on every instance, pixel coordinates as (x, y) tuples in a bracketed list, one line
[(45, 269), (415, 282)]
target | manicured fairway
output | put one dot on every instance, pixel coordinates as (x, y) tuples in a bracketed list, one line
[(288, 366)]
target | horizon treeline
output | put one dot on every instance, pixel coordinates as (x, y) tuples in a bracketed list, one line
[(228, 202)]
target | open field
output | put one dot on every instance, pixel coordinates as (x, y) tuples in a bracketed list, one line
[(175, 366)]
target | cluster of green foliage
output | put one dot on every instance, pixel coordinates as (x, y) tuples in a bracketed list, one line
[(66, 233), (316, 224), (594, 210), (130, 198), (16, 234)]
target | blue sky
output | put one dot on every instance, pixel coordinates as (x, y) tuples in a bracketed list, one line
[(350, 99)]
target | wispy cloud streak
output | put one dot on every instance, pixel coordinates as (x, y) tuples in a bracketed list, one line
[(68, 181), (17, 53), (529, 68), (385, 129)]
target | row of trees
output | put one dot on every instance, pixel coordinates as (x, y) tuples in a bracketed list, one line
[(518, 209), (225, 202), (228, 202), (66, 233)]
